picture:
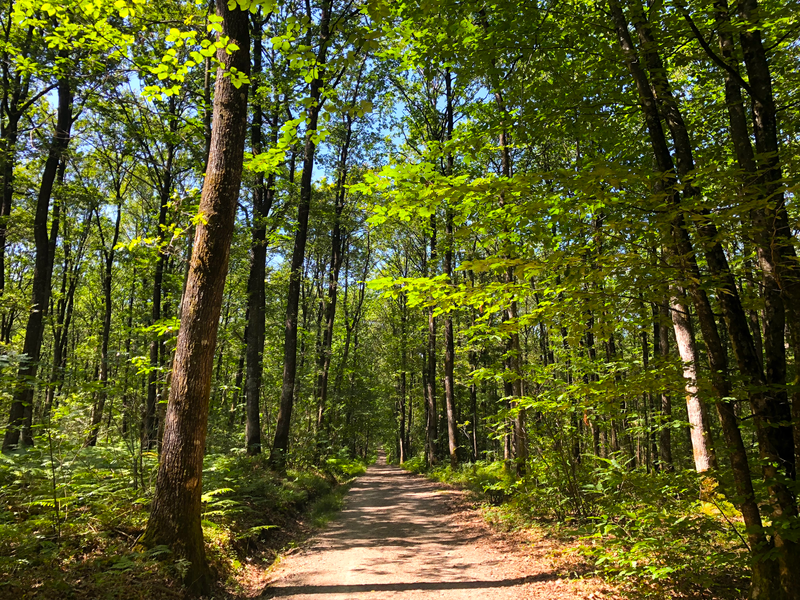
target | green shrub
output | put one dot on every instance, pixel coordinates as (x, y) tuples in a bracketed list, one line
[(343, 468), (77, 514), (415, 464), (653, 526)]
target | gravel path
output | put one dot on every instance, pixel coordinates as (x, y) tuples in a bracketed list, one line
[(399, 538)]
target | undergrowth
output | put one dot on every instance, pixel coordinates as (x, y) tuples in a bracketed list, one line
[(650, 533), (70, 521)]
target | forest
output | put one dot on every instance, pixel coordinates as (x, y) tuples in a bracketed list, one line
[(545, 250)]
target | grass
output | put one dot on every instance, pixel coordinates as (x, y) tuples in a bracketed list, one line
[(326, 507)]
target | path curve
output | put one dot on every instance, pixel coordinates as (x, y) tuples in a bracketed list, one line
[(398, 538)]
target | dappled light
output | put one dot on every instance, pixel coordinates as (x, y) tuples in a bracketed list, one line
[(538, 259)]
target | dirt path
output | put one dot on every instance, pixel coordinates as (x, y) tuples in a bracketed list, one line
[(399, 538)]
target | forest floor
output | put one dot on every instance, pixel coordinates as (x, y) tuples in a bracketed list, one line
[(403, 536)]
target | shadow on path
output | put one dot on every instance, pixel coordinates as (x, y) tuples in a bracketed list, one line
[(277, 592), (395, 538)]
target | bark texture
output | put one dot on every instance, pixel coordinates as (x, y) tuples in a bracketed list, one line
[(175, 514), (705, 458)]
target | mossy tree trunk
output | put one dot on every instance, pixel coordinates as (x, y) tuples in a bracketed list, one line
[(175, 514)]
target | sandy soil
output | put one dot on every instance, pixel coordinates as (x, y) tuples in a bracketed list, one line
[(402, 536)]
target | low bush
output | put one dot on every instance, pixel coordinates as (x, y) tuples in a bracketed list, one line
[(70, 521), (342, 466)]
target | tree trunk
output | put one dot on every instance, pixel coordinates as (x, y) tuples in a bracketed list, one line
[(661, 334), (473, 387), (401, 433), (176, 510), (336, 259), (236, 398), (280, 445), (410, 420), (15, 101), (8, 148), (776, 253), (150, 420), (705, 458), (432, 424), (63, 317), (680, 246), (767, 389), (127, 397), (43, 269), (772, 437), (775, 438), (404, 450), (97, 414), (263, 197), (449, 342)]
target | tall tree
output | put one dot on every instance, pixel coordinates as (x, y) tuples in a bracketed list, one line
[(771, 577), (449, 342), (108, 251), (263, 198), (280, 444), (338, 239), (176, 510), (45, 250), (164, 176)]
